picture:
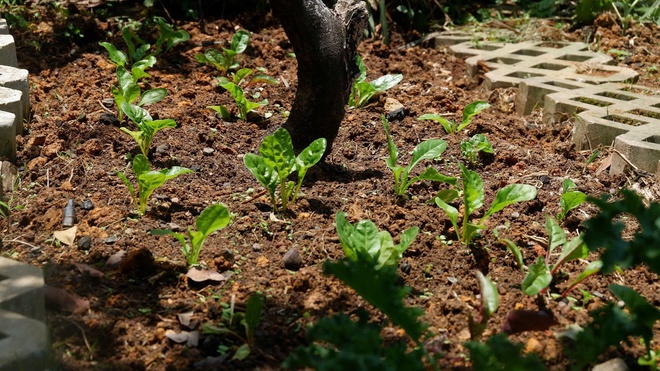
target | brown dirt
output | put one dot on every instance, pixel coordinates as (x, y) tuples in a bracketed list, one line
[(69, 152)]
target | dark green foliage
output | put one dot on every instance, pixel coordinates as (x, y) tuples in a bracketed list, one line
[(611, 325), (603, 231), (499, 353), (351, 345)]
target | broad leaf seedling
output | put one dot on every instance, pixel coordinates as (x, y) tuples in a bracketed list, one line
[(452, 127), (364, 90), (225, 59), (147, 127)]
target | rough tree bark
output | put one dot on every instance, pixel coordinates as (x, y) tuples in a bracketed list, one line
[(325, 42)]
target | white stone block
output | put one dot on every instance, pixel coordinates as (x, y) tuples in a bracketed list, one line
[(8, 51), (11, 101), (8, 136), (16, 78)]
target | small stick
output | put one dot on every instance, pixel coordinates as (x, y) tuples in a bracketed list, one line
[(255, 196)]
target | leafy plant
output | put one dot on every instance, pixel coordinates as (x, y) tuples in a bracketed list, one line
[(541, 273), (249, 320), (489, 302), (430, 149), (242, 103), (452, 127), (147, 126), (570, 198), (213, 218), (612, 325), (499, 353), (471, 148), (473, 198), (168, 37), (148, 180), (225, 59), (278, 161), (4, 209), (364, 90), (364, 237)]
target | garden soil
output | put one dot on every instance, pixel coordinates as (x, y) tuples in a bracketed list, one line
[(130, 287)]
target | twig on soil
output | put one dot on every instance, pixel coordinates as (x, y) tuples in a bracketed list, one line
[(48, 178), (22, 243), (255, 196), (635, 168), (89, 347), (106, 109)]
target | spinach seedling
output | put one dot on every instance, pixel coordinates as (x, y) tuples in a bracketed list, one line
[(278, 161), (250, 319), (233, 87), (364, 90), (147, 127), (452, 127), (473, 199), (213, 218), (427, 150), (570, 198), (168, 37), (129, 91), (541, 273), (364, 237), (488, 304), (471, 148), (225, 60), (148, 180)]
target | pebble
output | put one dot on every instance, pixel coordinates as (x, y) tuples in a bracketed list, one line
[(108, 102), (208, 151), (405, 266), (292, 259), (109, 119), (195, 168), (256, 247), (87, 205), (110, 240), (163, 148), (85, 243)]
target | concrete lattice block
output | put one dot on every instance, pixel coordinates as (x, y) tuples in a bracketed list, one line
[(641, 147), (23, 343), (11, 100), (7, 136), (17, 79), (21, 290), (8, 51), (4, 29)]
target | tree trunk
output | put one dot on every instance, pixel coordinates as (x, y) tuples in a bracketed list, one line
[(325, 42)]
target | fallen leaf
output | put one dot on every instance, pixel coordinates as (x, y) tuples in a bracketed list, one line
[(527, 320), (190, 338), (62, 300), (201, 275), (184, 318), (66, 236), (86, 268), (115, 258)]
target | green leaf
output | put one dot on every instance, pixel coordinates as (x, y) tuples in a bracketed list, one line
[(489, 296), (452, 213), (430, 149), (556, 235), (515, 250), (128, 184), (570, 198), (277, 151), (144, 63), (252, 318), (538, 278), (140, 165), (212, 218), (117, 57), (391, 147), (386, 82), (591, 269), (137, 114), (152, 96), (447, 195), (239, 41), (362, 68), (508, 195), (265, 174), (449, 126), (573, 249), (242, 352), (261, 78), (470, 111), (221, 110), (311, 155), (406, 239), (473, 191), (432, 174), (241, 74)]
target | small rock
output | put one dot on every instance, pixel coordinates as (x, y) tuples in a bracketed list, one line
[(292, 259), (615, 364), (195, 168), (405, 266), (163, 148), (110, 240), (87, 205), (108, 102), (515, 214), (207, 151), (85, 243), (109, 119), (392, 104), (69, 214), (396, 115), (256, 247)]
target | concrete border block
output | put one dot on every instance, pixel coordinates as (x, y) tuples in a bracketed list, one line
[(641, 147), (11, 101), (22, 289), (8, 51), (17, 79), (4, 28), (24, 343), (7, 137)]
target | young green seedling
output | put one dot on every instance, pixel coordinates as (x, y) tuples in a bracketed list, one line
[(225, 60), (452, 127), (278, 161), (168, 37), (364, 90), (147, 127), (364, 237), (570, 198), (471, 148), (148, 180), (473, 199), (213, 218), (233, 87), (541, 273), (427, 150), (488, 304)]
